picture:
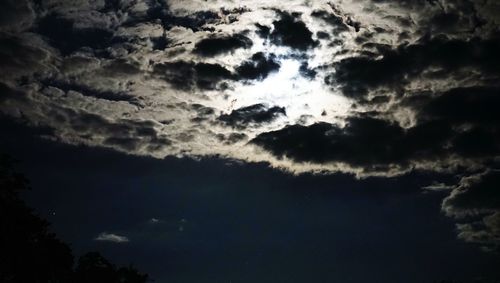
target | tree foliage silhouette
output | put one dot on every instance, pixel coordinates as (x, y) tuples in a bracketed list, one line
[(92, 267), (29, 252)]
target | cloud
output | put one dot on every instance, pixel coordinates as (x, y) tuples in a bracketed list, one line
[(24, 56), (110, 237), (67, 38), (16, 15), (397, 67), (197, 21), (186, 75), (336, 21), (469, 110), (485, 232), (258, 67), (87, 91), (475, 195), (251, 115), (292, 32), (464, 105), (221, 44), (475, 203), (436, 186), (389, 146), (155, 221)]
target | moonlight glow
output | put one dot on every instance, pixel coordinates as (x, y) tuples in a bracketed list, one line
[(302, 97)]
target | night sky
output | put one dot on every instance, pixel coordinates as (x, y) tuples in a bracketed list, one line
[(261, 141)]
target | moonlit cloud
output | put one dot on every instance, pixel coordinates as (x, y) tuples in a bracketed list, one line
[(155, 221), (436, 186), (110, 237)]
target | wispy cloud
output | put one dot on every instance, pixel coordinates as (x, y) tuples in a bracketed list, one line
[(154, 221), (110, 237), (437, 186)]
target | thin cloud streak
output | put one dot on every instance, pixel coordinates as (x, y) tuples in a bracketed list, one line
[(110, 237)]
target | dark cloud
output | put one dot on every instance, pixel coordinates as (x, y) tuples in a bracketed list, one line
[(208, 73), (389, 144), (186, 75), (251, 115), (292, 32), (484, 232), (221, 44), (444, 21), (465, 105), (160, 43), (470, 110), (335, 21), (112, 6), (232, 138), (159, 11), (67, 38), (7, 92), (122, 134), (322, 35), (397, 66), (235, 11), (16, 15), (446, 17), (20, 57), (90, 92), (197, 21), (477, 202), (475, 195), (338, 15), (263, 31), (477, 142), (306, 71), (203, 112), (258, 67), (121, 67), (433, 139)]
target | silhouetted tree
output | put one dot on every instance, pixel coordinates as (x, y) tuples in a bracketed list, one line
[(30, 253), (130, 274), (92, 267)]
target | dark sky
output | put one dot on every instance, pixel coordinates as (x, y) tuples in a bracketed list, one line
[(221, 221), (261, 141)]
